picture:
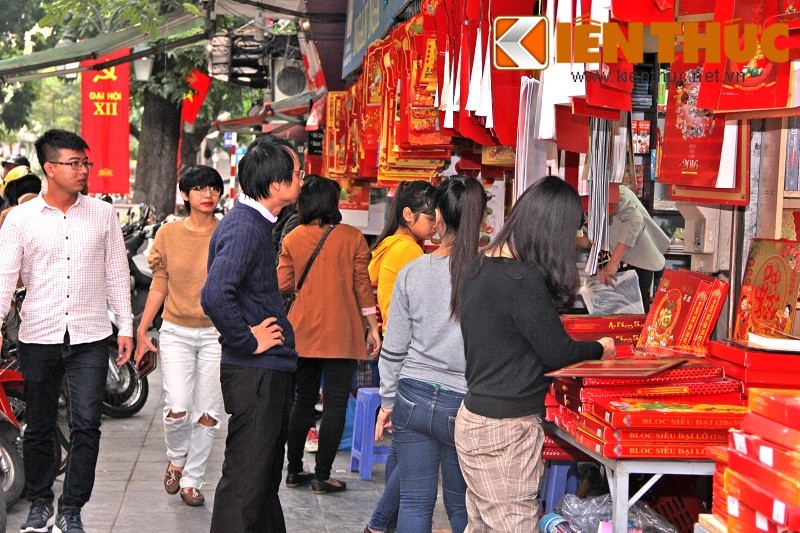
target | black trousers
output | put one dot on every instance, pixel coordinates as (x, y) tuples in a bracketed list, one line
[(246, 498), (335, 392), (43, 369)]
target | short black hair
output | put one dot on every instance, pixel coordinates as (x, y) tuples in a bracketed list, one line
[(50, 144), (24, 185), (268, 160), (202, 175), (319, 200)]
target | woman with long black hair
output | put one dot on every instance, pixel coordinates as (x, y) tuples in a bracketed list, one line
[(508, 305), (422, 361)]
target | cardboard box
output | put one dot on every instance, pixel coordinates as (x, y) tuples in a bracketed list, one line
[(781, 405), (768, 454), (731, 389), (603, 431), (772, 431), (748, 517), (638, 413), (636, 449), (785, 488), (758, 376), (752, 358), (692, 371), (761, 499)]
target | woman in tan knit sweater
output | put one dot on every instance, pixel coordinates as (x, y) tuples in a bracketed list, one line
[(328, 317), (190, 349)]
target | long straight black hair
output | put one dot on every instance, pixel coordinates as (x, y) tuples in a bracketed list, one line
[(541, 232), (462, 204), (416, 195)]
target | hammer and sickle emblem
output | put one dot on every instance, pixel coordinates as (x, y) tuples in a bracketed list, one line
[(106, 74)]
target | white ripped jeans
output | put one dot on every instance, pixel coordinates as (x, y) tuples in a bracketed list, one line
[(190, 366)]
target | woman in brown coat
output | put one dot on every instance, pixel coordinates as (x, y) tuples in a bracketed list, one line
[(328, 317)]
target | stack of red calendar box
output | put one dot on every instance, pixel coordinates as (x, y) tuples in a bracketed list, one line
[(762, 481)]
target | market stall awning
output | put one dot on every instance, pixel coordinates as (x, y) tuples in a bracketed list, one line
[(41, 64)]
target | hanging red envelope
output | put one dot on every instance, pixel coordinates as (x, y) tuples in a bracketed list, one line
[(581, 107), (643, 11), (506, 83), (695, 9), (692, 135), (610, 86), (572, 131), (755, 83)]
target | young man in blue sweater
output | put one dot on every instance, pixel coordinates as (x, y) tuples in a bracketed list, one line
[(258, 357)]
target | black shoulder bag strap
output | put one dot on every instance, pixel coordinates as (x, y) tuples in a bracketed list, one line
[(311, 259)]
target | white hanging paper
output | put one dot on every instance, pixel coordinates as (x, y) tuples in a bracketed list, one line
[(485, 103), (448, 103), (457, 90), (446, 80), (475, 75)]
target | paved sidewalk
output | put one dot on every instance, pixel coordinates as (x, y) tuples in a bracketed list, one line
[(129, 496)]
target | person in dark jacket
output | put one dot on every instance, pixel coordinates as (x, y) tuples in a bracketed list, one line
[(258, 355)]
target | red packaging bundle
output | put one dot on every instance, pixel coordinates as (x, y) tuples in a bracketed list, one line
[(780, 405), (761, 500), (638, 413)]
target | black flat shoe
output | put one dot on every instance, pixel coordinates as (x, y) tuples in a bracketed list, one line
[(323, 487), (296, 480)]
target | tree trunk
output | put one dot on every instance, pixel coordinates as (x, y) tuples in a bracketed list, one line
[(156, 170), (190, 145)]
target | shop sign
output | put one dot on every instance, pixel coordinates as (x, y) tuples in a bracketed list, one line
[(367, 21), (523, 42)]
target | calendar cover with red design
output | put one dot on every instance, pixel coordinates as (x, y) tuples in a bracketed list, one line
[(676, 310), (768, 298)]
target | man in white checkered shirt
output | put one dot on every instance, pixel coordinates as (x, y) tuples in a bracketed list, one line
[(69, 251)]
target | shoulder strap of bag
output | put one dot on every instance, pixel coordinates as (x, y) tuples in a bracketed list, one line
[(313, 256)]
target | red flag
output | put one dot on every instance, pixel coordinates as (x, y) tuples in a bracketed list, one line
[(105, 123), (199, 84)]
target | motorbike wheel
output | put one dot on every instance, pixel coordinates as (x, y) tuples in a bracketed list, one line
[(127, 395), (11, 471)]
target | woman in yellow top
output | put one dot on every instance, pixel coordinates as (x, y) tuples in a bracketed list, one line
[(411, 219)]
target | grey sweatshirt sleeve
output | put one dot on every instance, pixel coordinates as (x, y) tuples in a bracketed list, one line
[(396, 341)]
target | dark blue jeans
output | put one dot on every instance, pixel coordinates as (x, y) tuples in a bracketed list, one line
[(423, 420), (384, 517), (43, 368)]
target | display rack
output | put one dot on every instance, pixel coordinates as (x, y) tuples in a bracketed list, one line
[(618, 472)]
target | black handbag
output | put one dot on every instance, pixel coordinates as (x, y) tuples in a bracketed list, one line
[(289, 301)]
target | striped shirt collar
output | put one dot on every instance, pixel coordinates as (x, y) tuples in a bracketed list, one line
[(252, 202)]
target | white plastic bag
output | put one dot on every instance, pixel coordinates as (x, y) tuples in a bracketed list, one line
[(623, 298)]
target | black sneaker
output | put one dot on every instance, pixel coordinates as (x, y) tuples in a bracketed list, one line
[(68, 520), (40, 518)]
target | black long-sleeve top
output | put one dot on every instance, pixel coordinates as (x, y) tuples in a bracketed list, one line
[(512, 337)]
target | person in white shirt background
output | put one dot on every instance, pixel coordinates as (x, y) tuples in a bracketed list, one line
[(69, 251)]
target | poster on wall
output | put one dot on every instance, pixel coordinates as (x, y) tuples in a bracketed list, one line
[(105, 123)]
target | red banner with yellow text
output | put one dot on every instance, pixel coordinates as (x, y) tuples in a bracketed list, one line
[(105, 110)]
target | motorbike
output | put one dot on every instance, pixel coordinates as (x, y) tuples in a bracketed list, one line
[(126, 392), (11, 467)]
